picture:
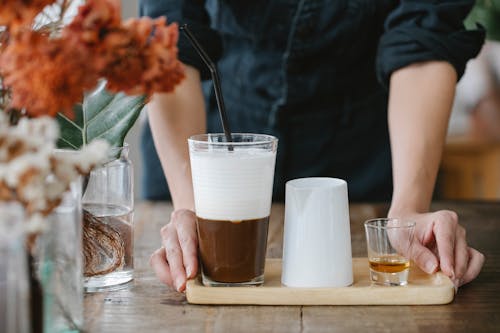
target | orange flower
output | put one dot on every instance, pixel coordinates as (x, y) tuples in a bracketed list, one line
[(49, 75), (45, 75), (138, 57), (163, 71), (16, 13), (94, 20), (149, 62)]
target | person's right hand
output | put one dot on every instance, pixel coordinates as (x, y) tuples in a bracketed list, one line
[(176, 260)]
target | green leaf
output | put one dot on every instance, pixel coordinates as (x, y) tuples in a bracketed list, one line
[(101, 116), (487, 13)]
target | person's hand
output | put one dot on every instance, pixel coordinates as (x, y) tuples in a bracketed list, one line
[(176, 260), (440, 242)]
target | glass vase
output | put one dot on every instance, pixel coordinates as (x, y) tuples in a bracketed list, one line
[(108, 205), (60, 264), (14, 276)]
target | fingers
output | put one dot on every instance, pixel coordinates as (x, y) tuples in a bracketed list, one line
[(458, 261), (188, 241), (158, 261), (461, 255), (178, 260), (424, 258), (476, 262), (445, 233), (174, 257)]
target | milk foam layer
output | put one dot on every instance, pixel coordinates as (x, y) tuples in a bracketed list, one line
[(233, 185)]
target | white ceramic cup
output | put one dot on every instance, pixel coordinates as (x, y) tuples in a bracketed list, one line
[(317, 237)]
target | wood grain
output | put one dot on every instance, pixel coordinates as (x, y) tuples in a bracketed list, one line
[(149, 306), (421, 289)]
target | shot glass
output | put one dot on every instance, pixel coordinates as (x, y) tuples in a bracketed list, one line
[(388, 241)]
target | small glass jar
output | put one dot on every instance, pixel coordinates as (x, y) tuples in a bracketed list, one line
[(14, 278), (108, 237), (60, 264)]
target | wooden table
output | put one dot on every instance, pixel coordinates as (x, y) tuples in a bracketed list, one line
[(149, 306)]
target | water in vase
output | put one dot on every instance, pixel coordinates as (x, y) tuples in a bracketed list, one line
[(108, 246)]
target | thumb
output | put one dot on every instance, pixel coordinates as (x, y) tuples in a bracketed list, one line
[(424, 258)]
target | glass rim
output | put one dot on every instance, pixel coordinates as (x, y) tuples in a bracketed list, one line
[(203, 139), (308, 183), (406, 223), (125, 146)]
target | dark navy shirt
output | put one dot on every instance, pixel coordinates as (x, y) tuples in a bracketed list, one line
[(315, 74)]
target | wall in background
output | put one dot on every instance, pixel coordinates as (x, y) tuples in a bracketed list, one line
[(130, 8)]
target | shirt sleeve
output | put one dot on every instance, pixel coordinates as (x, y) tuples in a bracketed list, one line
[(193, 13), (417, 31)]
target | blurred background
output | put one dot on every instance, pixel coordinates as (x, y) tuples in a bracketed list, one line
[(130, 8), (471, 160), (470, 168)]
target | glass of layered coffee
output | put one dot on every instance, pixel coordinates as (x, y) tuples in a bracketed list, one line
[(232, 184)]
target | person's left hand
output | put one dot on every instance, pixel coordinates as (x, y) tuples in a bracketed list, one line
[(440, 242)]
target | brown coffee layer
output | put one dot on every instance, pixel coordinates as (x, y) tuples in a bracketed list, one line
[(232, 251)]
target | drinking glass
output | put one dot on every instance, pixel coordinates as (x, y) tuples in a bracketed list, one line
[(232, 184), (108, 237), (388, 241), (14, 279), (60, 263)]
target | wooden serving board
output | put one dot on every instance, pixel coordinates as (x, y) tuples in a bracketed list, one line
[(421, 289)]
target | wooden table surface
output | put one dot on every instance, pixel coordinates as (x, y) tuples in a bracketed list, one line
[(149, 306)]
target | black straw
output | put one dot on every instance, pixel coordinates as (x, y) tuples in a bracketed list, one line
[(216, 80)]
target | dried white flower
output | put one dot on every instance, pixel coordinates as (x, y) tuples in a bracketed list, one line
[(33, 172), (35, 224), (37, 131), (92, 154), (69, 164), (19, 166)]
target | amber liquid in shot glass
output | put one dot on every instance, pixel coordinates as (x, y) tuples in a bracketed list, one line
[(389, 264)]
